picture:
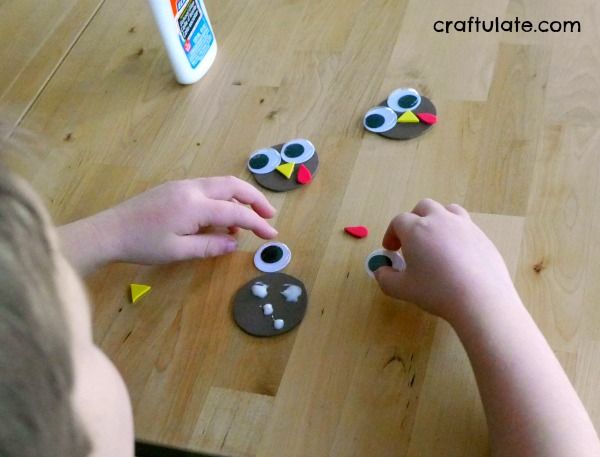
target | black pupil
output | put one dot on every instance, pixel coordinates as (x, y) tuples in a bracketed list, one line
[(294, 150), (259, 161), (271, 254), (375, 120), (378, 261), (408, 101)]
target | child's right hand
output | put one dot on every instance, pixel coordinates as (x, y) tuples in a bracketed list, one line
[(454, 271), (452, 267)]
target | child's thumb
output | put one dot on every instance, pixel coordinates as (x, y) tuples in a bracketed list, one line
[(210, 245), (394, 283)]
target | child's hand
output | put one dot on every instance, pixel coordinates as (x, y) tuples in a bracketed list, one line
[(165, 223), (184, 219), (452, 267), (454, 271)]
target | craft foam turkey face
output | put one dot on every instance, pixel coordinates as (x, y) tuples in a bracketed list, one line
[(404, 115), (284, 166), (270, 305)]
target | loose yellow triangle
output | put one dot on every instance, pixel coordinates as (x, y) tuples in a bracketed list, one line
[(138, 291), (408, 118), (286, 169)]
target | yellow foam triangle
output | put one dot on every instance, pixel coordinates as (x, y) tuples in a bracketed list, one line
[(138, 291), (286, 169), (408, 118)]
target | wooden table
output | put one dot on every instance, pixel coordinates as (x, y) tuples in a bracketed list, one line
[(518, 144)]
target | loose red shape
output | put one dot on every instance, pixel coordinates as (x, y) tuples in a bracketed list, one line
[(428, 118), (304, 175), (360, 231)]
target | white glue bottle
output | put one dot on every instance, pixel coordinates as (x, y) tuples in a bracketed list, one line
[(187, 35)]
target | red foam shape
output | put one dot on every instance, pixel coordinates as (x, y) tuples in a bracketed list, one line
[(304, 175), (360, 231), (428, 118)]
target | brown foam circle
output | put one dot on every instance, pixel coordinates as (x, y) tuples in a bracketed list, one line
[(410, 131), (248, 314), (276, 182)]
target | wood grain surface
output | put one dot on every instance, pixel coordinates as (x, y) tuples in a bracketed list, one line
[(518, 144)]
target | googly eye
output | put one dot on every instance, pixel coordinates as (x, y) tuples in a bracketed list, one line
[(297, 151), (272, 257), (383, 258), (264, 161), (380, 119), (402, 100)]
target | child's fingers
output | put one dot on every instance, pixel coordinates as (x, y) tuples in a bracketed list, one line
[(395, 283), (229, 187), (426, 207), (220, 213), (203, 246), (398, 227), (457, 209)]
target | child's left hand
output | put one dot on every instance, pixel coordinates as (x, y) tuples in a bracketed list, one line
[(175, 221)]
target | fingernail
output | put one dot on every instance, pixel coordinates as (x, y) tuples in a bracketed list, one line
[(231, 245)]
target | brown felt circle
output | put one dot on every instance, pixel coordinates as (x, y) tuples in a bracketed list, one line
[(409, 131), (248, 313), (276, 182)]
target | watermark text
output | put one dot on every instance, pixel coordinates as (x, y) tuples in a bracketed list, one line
[(497, 25)]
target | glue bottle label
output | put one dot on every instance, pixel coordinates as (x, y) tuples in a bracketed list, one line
[(195, 34)]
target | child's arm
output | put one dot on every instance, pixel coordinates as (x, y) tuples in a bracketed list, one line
[(168, 224), (454, 271)]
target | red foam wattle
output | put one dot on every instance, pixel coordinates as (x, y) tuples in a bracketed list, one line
[(304, 175), (428, 118), (359, 231)]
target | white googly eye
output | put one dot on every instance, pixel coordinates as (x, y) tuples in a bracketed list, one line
[(402, 100), (272, 257), (383, 258), (297, 151), (380, 119), (264, 161)]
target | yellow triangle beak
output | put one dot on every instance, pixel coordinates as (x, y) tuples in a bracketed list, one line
[(138, 291), (286, 169), (408, 117)]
